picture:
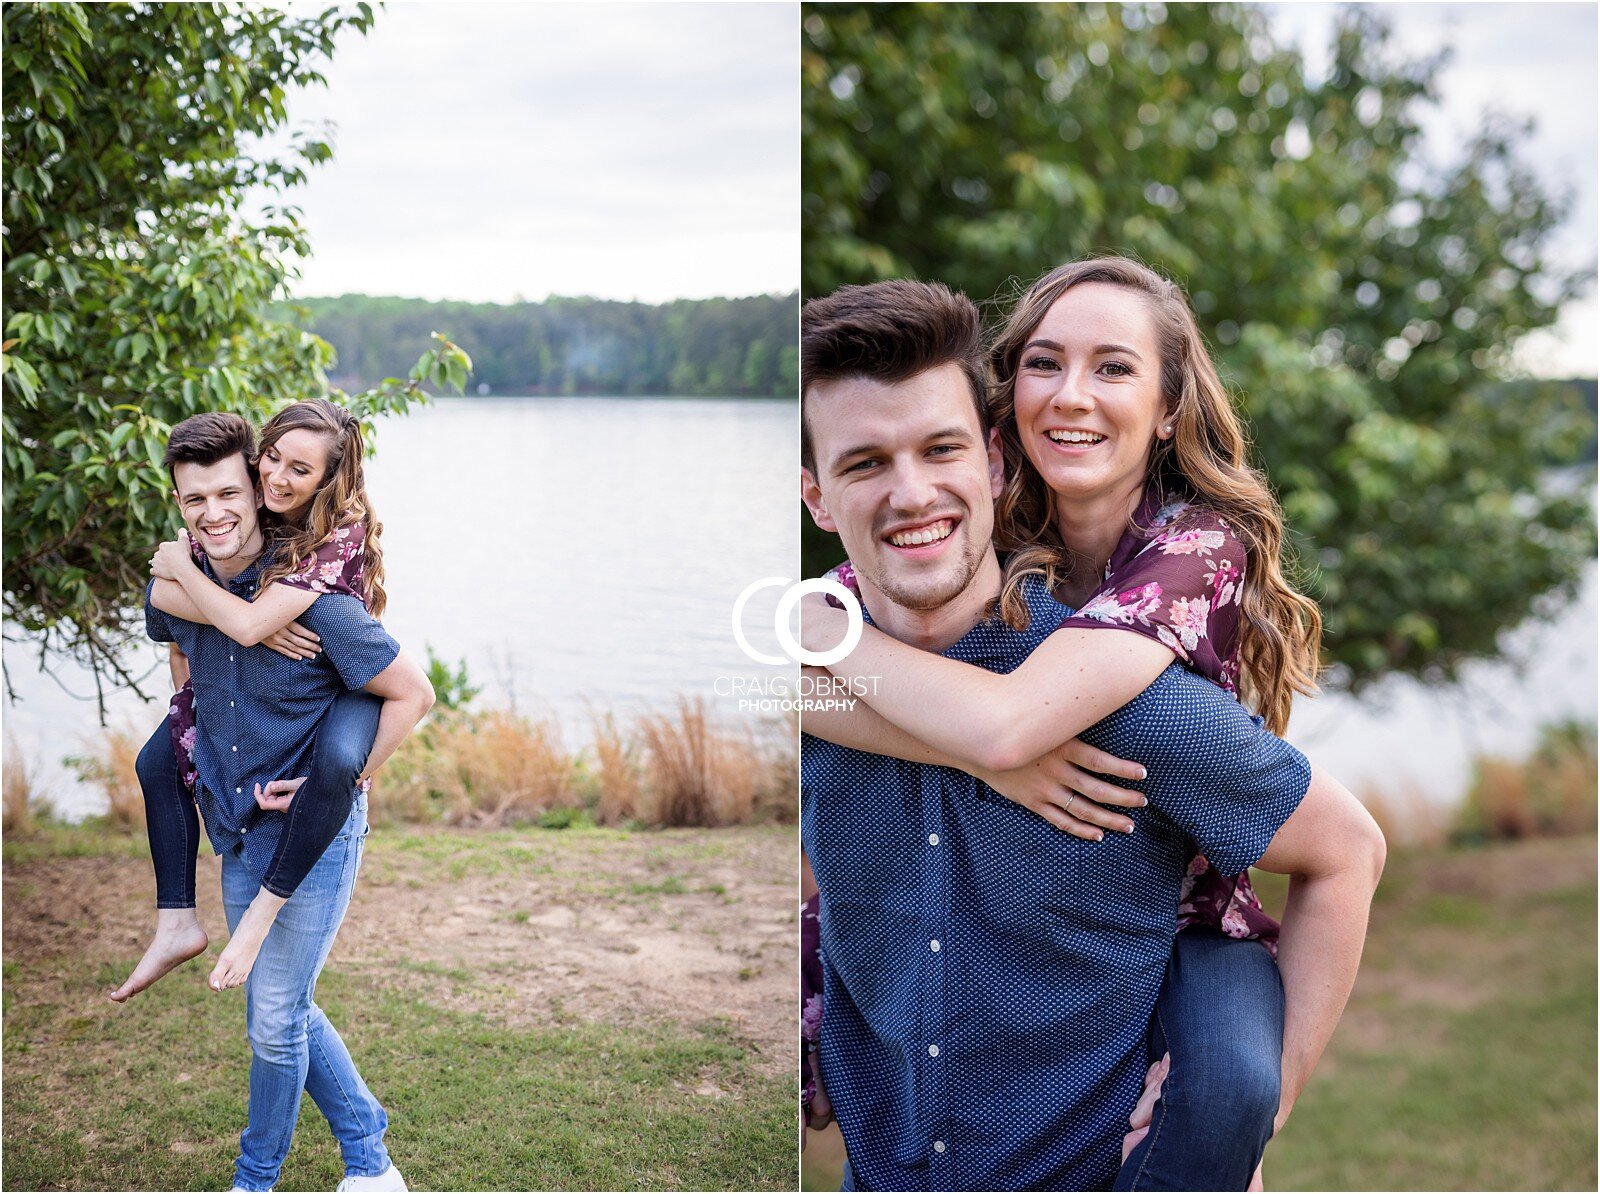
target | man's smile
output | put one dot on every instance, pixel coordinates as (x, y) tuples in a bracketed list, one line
[(922, 540)]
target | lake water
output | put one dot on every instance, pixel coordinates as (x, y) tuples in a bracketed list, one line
[(577, 553), (586, 553)]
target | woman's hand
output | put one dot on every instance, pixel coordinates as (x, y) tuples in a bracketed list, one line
[(822, 626), (1064, 787), (171, 558), (294, 641), (278, 793)]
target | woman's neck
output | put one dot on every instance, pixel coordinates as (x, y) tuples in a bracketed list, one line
[(1091, 528)]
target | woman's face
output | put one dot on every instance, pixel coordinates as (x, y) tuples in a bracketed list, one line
[(1088, 395), (292, 469)]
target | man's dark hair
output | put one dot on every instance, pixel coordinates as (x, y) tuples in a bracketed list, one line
[(887, 332), (206, 438)]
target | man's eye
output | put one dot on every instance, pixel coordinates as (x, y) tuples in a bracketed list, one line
[(861, 465), (943, 449)]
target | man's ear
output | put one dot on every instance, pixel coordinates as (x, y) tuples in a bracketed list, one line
[(997, 464), (811, 495)]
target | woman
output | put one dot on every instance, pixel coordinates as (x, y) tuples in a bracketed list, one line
[(1128, 493), (322, 537)]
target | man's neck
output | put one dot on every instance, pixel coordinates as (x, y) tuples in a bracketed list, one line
[(940, 628)]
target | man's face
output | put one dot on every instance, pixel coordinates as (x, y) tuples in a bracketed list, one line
[(218, 504), (906, 478)]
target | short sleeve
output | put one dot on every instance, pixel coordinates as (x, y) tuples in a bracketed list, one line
[(352, 640), (336, 565), (1182, 589), (156, 623), (1213, 769)]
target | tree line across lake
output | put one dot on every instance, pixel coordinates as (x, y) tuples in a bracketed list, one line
[(721, 347)]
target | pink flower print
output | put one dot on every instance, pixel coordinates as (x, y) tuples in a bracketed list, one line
[(330, 572), (1135, 605), (811, 1018), (1234, 924), (1188, 543), (1198, 865), (186, 741), (1226, 586), (1189, 616)]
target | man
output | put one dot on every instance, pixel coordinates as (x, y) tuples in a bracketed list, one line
[(989, 981), (257, 715)]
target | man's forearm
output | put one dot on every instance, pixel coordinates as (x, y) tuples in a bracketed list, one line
[(398, 717), (1319, 951)]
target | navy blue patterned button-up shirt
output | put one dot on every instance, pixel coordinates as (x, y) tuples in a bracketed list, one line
[(989, 979), (256, 712)]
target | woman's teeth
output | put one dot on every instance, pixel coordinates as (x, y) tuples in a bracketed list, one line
[(929, 534), (1075, 437)]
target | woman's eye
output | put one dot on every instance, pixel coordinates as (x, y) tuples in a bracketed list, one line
[(1117, 369), (1039, 363)]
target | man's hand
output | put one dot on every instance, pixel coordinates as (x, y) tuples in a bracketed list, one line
[(820, 1111), (171, 558), (1064, 787), (275, 797), (294, 641), (1145, 1109)]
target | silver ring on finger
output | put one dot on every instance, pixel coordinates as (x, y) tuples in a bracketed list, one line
[(1071, 796)]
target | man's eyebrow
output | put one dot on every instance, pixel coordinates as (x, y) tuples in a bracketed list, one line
[(851, 453), (955, 431)]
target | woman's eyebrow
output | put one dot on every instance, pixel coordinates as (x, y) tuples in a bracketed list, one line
[(1106, 349), (1049, 344)]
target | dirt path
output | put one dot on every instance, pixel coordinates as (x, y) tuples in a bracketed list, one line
[(535, 927)]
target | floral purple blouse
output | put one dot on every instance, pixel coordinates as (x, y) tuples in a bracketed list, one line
[(1176, 576), (335, 567)]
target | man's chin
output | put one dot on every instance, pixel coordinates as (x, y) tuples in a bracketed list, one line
[(924, 591)]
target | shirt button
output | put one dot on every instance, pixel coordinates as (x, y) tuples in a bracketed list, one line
[(933, 839), (230, 659), (938, 1146), (235, 750), (239, 790), (934, 945), (230, 704), (933, 1050)]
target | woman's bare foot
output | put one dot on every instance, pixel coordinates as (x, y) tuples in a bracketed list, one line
[(178, 938), (233, 967)]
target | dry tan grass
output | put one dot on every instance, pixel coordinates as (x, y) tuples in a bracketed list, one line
[(1549, 794), (696, 772), (22, 799), (111, 765), (616, 772), (498, 767)]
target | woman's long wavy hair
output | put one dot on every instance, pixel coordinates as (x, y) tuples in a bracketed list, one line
[(340, 501), (1204, 462)]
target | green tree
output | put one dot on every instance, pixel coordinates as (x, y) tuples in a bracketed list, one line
[(1360, 302), (138, 285)]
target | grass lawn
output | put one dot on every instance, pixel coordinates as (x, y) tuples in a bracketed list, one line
[(1467, 1057), (490, 1078)]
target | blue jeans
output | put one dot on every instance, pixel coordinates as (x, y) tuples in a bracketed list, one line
[(293, 1046), (1220, 1015), (317, 812)]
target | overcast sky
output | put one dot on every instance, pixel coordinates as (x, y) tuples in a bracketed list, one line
[(651, 151), (485, 151)]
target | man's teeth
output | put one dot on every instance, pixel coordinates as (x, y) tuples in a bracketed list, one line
[(931, 534), (1075, 437)]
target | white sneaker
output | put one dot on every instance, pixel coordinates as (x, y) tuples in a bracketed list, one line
[(389, 1179)]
